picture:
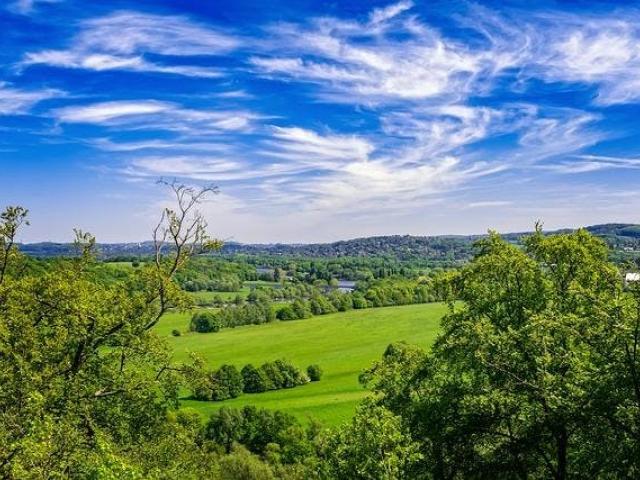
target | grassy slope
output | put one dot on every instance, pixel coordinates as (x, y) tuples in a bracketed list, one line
[(343, 344)]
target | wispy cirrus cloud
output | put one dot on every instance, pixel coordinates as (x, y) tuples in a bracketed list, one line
[(387, 111), (15, 101), (119, 41), (156, 115), (593, 163), (176, 144), (107, 112), (604, 52), (428, 92), (595, 50)]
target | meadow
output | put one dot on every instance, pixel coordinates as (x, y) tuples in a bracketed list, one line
[(343, 344)]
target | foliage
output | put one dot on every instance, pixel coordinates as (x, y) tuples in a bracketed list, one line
[(259, 430), (204, 322), (83, 376), (308, 301), (255, 380), (374, 446), (314, 372), (534, 373), (227, 382)]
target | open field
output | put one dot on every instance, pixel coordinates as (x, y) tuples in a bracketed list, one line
[(343, 344)]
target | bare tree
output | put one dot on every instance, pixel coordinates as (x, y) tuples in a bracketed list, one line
[(179, 234), (10, 222)]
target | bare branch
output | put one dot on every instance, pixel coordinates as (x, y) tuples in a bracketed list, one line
[(11, 220)]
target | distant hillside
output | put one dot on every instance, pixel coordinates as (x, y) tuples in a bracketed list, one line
[(621, 237)]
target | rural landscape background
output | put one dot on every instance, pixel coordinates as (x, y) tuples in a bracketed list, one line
[(316, 240)]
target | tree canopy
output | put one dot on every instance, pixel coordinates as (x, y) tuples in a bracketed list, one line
[(535, 374)]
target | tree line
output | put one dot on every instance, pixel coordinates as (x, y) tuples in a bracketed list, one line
[(228, 382), (312, 301)]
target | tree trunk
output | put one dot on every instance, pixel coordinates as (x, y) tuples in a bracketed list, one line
[(562, 440)]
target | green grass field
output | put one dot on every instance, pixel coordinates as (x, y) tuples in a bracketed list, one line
[(343, 344)]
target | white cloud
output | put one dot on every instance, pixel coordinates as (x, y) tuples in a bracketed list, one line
[(200, 167), (441, 130), (15, 101), (105, 112), (394, 57), (359, 62), (602, 51), (103, 62), (108, 145), (310, 148), (489, 204), (380, 15), (157, 115), (119, 42), (592, 163), (558, 133), (348, 173)]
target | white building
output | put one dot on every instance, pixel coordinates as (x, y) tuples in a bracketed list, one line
[(631, 277)]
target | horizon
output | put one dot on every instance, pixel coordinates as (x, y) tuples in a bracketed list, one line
[(320, 122), (351, 239)]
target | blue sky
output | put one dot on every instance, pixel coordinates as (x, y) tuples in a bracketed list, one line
[(320, 120)]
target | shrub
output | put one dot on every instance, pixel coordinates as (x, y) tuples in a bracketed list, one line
[(287, 313), (359, 301), (243, 465), (204, 322), (255, 380), (175, 332), (314, 372), (273, 375), (226, 383), (291, 374), (301, 309), (255, 428)]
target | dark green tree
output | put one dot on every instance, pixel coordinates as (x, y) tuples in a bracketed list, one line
[(314, 372), (533, 370), (255, 380)]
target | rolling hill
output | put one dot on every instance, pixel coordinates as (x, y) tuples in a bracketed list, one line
[(343, 344), (619, 236)]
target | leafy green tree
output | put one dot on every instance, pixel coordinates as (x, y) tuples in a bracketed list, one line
[(292, 376), (301, 309), (243, 465), (533, 374), (314, 372), (375, 446), (359, 301), (287, 313), (83, 377), (205, 322), (255, 380), (226, 382), (273, 375)]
